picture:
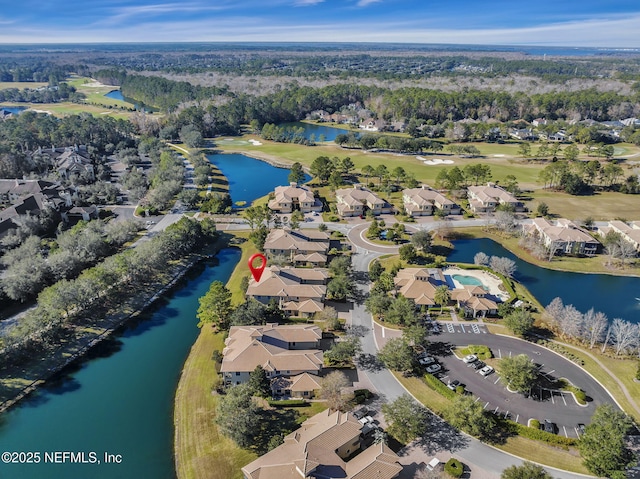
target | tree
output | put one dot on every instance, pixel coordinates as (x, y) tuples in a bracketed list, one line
[(335, 179), (396, 354), (398, 173), (595, 325), (373, 232), (377, 303), (408, 253), (322, 168), (340, 288), (467, 414), (375, 270), (477, 172), (524, 150), (415, 335), (623, 334), (251, 312), (519, 321), (542, 209), (296, 218), (331, 387), (527, 470), (259, 382), (191, 136), (381, 172), (258, 236), (422, 240), (571, 152), (603, 444), (481, 259), (401, 311), (343, 352), (346, 165), (442, 296), (215, 307), (328, 316), (502, 265), (406, 417), (239, 427), (368, 171), (297, 173), (505, 221), (518, 372)]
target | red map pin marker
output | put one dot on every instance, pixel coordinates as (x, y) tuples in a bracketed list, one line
[(256, 271)]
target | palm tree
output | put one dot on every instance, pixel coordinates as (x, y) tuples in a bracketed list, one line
[(442, 296)]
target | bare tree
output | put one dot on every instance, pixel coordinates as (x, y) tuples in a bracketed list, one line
[(331, 390), (571, 322), (505, 221), (554, 310), (606, 339), (502, 265), (624, 335), (595, 325), (481, 259)]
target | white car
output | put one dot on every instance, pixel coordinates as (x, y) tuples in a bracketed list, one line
[(366, 420), (485, 371), (470, 358), (425, 361), (434, 368)]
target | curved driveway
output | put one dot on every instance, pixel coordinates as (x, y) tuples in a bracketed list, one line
[(440, 435)]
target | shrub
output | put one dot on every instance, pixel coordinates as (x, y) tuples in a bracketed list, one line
[(581, 396), (438, 386), (361, 395), (288, 403), (460, 390), (454, 468), (482, 351), (539, 435), (534, 423), (638, 372)]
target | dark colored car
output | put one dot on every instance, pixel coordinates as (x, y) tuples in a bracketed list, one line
[(478, 365), (360, 413), (549, 426), (580, 428), (454, 384)]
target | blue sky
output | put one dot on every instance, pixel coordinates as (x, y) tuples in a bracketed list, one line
[(599, 23)]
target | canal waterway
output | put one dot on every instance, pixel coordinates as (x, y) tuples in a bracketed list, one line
[(249, 178), (616, 296), (118, 401)]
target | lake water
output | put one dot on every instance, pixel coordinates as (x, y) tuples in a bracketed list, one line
[(121, 400), (329, 132), (616, 296), (14, 109), (117, 95), (250, 178)]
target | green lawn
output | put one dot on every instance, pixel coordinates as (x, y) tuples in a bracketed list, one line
[(602, 206), (32, 85)]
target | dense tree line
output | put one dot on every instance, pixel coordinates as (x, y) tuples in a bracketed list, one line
[(103, 289), (33, 71), (31, 130), (61, 92)]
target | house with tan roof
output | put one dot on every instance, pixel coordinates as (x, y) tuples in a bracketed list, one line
[(629, 232), (485, 199), (357, 201), (294, 197), (563, 236), (302, 386), (324, 447), (424, 201), (298, 291), (418, 284), (308, 247), (474, 301), (281, 350)]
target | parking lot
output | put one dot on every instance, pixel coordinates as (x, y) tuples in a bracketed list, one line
[(558, 406)]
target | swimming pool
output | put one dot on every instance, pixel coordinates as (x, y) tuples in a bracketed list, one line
[(469, 281)]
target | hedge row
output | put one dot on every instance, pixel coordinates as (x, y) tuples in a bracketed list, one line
[(288, 403), (559, 349), (539, 435), (438, 386)]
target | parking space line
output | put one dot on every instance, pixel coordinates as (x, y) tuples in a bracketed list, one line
[(509, 353), (565, 431), (577, 432), (450, 328), (485, 406), (517, 417), (462, 328), (499, 354), (563, 399), (496, 381), (477, 399), (496, 411), (506, 414), (552, 371), (552, 401)]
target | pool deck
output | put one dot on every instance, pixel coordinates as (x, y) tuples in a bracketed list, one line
[(490, 282)]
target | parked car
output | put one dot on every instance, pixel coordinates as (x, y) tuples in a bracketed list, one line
[(485, 371), (469, 358), (425, 361), (435, 327), (454, 384), (549, 426), (360, 413), (580, 429), (477, 365), (434, 368), (366, 420)]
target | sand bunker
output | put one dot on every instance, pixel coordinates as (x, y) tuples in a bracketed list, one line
[(498, 156), (434, 161), (255, 142)]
